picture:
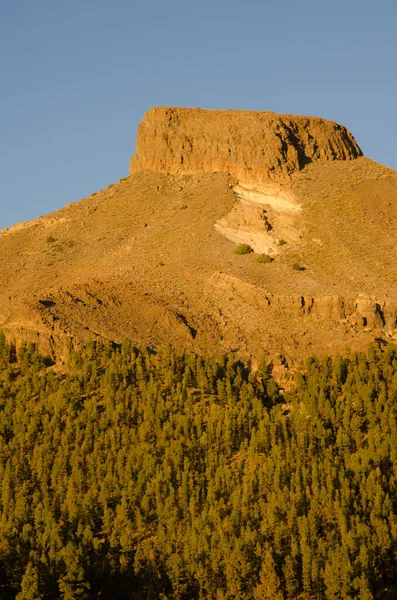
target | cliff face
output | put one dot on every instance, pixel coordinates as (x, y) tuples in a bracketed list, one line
[(254, 147)]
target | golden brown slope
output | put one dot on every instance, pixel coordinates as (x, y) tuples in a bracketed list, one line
[(143, 259), (151, 257)]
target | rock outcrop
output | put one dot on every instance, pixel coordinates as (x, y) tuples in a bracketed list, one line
[(254, 147), (360, 312)]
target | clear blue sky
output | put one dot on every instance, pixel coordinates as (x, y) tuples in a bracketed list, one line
[(77, 76)]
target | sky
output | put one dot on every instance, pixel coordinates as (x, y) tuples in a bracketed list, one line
[(76, 78)]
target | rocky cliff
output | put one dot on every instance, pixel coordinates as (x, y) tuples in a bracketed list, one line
[(254, 147)]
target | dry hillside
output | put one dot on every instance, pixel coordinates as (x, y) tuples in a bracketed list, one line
[(152, 256)]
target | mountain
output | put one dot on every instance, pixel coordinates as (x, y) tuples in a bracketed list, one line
[(153, 256)]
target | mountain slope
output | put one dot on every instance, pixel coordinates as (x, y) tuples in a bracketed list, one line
[(152, 258)]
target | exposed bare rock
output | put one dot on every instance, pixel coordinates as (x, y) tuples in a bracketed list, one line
[(261, 218), (254, 147), (361, 311)]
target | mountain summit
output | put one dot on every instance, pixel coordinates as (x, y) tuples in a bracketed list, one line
[(235, 231), (254, 147)]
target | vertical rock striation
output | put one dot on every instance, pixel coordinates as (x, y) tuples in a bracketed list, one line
[(254, 147)]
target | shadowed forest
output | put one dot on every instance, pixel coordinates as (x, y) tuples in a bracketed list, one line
[(134, 474)]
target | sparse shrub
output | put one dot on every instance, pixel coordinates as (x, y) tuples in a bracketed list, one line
[(243, 249), (298, 267), (60, 246), (264, 259), (281, 242)]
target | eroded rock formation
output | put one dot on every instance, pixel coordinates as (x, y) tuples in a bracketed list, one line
[(254, 147), (361, 312)]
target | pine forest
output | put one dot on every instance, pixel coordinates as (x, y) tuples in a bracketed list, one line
[(130, 473)]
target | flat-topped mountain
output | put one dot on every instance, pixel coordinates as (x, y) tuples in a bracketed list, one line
[(254, 147), (153, 258)]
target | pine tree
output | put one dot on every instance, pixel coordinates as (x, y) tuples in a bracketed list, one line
[(72, 584), (30, 584), (269, 587)]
